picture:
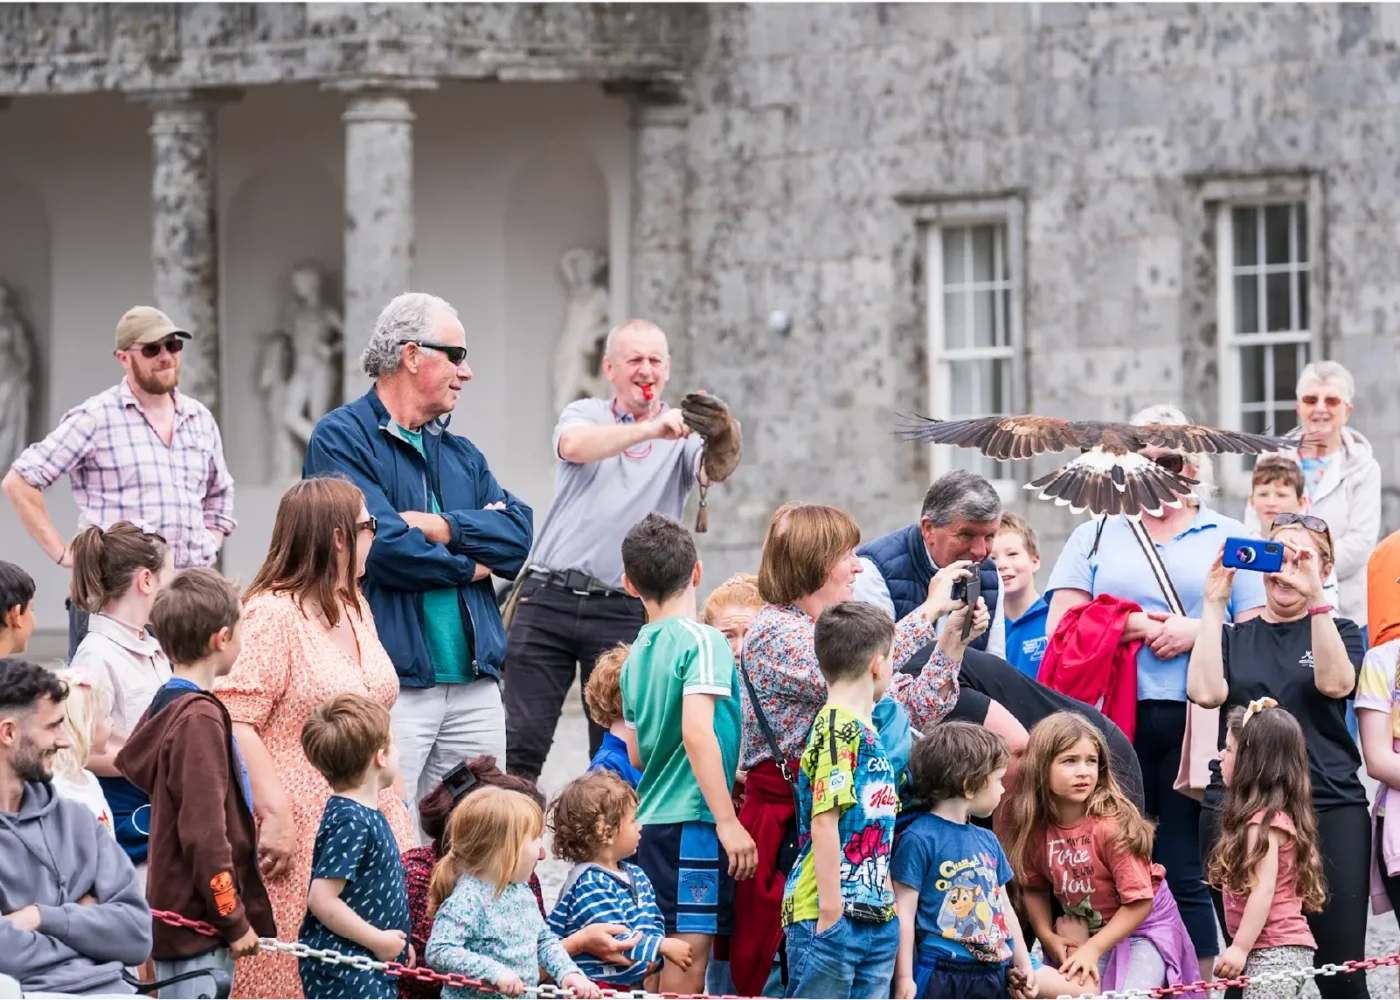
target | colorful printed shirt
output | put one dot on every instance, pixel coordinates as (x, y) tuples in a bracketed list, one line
[(1083, 867), (121, 470), (781, 660), (594, 895), (845, 768), (482, 936), (959, 870), (671, 659)]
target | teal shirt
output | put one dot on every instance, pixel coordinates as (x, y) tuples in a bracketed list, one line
[(442, 610)]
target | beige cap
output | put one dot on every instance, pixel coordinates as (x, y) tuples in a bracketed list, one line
[(145, 325)]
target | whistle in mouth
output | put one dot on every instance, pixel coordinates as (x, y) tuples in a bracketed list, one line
[(648, 392)]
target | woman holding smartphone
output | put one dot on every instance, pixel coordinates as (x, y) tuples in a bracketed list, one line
[(1304, 657)]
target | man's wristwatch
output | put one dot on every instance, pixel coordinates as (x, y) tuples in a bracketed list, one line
[(1321, 609)]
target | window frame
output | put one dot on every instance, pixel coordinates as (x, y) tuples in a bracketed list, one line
[(1008, 213), (1227, 196)]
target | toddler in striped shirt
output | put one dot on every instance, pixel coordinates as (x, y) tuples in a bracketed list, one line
[(595, 826)]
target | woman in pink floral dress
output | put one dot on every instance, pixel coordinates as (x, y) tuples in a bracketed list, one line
[(308, 635)]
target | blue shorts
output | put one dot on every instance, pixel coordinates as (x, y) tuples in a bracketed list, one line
[(960, 980), (690, 873)]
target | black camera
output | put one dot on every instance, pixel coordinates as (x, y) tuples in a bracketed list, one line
[(969, 591)]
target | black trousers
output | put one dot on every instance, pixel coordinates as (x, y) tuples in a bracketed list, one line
[(1161, 726), (77, 625), (1344, 839), (554, 632)]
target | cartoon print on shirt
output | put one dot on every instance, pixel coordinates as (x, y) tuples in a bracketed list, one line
[(971, 912)]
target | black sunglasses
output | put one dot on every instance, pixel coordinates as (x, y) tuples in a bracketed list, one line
[(371, 525), (1306, 520), (454, 353), (1172, 462), (172, 344)]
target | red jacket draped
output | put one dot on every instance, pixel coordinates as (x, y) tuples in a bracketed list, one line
[(1087, 661)]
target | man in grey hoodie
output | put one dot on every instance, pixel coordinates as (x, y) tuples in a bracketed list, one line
[(72, 913)]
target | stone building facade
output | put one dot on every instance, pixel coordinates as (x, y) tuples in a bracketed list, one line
[(1072, 209)]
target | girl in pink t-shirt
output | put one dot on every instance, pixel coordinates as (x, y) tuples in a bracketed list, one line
[(1266, 862), (1076, 837)]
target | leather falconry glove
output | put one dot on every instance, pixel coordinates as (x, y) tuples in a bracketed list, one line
[(707, 416)]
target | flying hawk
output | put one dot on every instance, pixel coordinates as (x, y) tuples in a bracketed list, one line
[(1109, 477)]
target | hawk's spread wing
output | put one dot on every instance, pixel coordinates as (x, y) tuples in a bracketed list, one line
[(1196, 440), (1000, 437), (1114, 484)]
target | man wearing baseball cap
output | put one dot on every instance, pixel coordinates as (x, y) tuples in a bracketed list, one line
[(141, 451)]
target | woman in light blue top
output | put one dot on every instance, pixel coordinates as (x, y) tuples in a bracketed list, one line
[(1187, 540)]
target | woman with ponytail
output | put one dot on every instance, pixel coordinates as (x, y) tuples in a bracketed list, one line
[(116, 575)]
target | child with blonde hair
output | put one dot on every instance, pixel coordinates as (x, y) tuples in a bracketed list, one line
[(87, 723), (487, 924)]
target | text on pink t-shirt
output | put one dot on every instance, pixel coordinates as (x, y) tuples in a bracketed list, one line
[(1085, 870)]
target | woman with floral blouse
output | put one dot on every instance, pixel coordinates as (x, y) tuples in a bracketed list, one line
[(809, 562)]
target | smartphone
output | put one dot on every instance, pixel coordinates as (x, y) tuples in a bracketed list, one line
[(969, 591), (1253, 554)]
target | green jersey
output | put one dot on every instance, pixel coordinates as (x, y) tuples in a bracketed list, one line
[(671, 659)]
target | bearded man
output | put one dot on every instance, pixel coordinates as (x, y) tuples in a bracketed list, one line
[(141, 451)]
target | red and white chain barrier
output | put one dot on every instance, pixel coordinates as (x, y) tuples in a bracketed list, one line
[(420, 974)]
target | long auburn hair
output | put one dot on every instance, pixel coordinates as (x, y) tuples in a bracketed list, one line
[(1033, 807), (301, 559), (485, 834), (1271, 776)]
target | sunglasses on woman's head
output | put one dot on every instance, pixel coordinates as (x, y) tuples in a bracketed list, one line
[(1172, 462), (1331, 402), (1306, 520), (172, 344), (453, 352)]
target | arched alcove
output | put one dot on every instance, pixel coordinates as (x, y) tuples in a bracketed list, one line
[(558, 201), (26, 266)]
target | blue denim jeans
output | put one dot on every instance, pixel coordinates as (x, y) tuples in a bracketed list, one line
[(847, 960)]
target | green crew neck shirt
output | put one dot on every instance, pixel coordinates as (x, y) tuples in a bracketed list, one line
[(670, 659), (444, 630)]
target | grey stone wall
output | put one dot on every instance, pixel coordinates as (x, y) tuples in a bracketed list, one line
[(820, 134), (80, 47)]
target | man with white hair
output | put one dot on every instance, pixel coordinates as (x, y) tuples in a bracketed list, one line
[(619, 460), (444, 526)]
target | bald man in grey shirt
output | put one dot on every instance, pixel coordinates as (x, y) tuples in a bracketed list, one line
[(618, 461)]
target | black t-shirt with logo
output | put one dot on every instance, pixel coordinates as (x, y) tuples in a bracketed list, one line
[(1275, 660)]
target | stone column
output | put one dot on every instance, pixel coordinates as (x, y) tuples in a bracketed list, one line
[(378, 208), (184, 230), (660, 251)]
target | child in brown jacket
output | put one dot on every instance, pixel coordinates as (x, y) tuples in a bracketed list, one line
[(203, 846)]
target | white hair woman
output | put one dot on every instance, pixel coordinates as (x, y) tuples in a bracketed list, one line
[(1187, 539), (1341, 479)]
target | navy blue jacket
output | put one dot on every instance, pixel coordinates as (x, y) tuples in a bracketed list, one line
[(902, 559), (358, 440)]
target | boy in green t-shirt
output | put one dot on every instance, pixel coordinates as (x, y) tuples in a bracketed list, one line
[(681, 707)]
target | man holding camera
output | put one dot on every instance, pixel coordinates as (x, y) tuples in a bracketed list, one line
[(960, 517)]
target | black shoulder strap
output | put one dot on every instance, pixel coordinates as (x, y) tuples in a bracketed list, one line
[(763, 727), (1158, 567)]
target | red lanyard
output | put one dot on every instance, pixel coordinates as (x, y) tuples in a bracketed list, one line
[(636, 451)]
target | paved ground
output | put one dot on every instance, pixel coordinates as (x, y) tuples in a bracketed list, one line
[(569, 758)]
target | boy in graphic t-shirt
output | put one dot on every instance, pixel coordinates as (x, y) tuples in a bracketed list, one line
[(681, 707), (838, 907)]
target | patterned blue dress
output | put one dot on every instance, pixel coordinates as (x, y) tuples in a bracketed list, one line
[(355, 843)]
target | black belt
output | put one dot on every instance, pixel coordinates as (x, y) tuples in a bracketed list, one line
[(575, 582)]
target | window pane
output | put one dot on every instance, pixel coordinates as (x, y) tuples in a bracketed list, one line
[(1301, 214), (1276, 234), (1246, 303), (982, 262), (1253, 422), (996, 387), (1004, 321), (962, 379), (1279, 302), (1287, 364), (1252, 374), (954, 320), (954, 257), (1283, 422), (1244, 235), (983, 319), (1303, 301)]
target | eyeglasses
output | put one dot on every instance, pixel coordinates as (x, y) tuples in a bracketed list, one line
[(1306, 520), (454, 353), (371, 524), (1331, 402), (172, 344), (1172, 462)]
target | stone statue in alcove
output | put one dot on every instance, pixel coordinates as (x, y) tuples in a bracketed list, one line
[(16, 378), (578, 355)]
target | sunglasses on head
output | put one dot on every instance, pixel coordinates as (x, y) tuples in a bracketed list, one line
[(172, 344), (454, 353), (1311, 399), (370, 524), (1306, 520), (459, 781), (1171, 462)]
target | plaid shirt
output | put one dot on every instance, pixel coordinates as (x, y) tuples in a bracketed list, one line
[(121, 470)]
